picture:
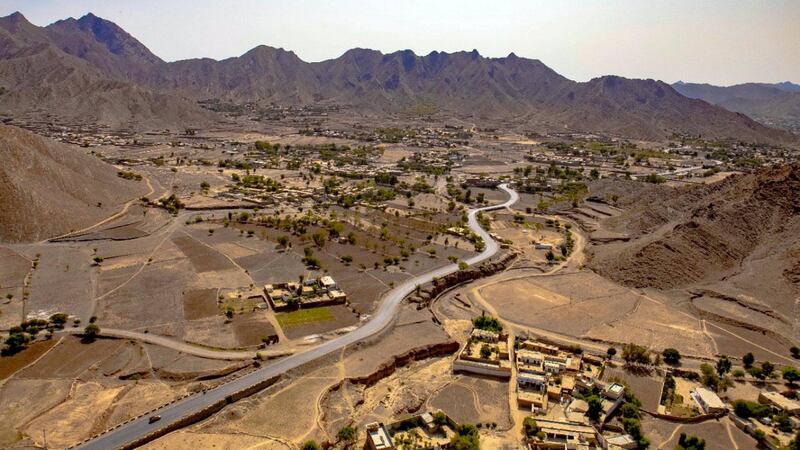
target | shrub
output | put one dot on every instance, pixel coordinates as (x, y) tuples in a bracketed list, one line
[(346, 434)]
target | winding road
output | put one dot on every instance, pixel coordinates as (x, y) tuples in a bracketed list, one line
[(382, 318)]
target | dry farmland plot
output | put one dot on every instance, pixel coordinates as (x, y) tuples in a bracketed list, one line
[(138, 399), (127, 358), (62, 282), (200, 304), (736, 341), (214, 331), (71, 358), (273, 267), (153, 297), (187, 367), (250, 328), (742, 314), (203, 257), (10, 364), (459, 402), (657, 326), (646, 387), (571, 304), (492, 396)]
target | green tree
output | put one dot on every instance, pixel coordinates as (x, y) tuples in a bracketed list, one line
[(530, 427), (709, 376), (690, 443), (748, 359), (671, 356), (595, 407), (486, 351), (782, 421), (283, 241), (791, 374), (91, 332), (611, 352), (310, 445), (723, 365), (767, 368)]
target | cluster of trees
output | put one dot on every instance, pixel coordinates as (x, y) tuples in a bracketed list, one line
[(488, 323), (20, 336), (654, 178), (465, 438), (172, 204), (374, 195), (129, 175), (232, 164), (569, 242), (310, 260), (635, 354), (631, 419), (257, 182)]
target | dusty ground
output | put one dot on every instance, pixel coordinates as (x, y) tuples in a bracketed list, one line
[(74, 389)]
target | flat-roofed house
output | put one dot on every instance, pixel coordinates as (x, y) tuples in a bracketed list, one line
[(327, 282), (378, 437), (777, 400), (708, 401)]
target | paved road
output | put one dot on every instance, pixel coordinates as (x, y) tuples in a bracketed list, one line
[(382, 318)]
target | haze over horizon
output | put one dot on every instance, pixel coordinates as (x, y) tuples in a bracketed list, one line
[(713, 42)]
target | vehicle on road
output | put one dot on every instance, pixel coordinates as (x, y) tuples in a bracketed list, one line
[(155, 418)]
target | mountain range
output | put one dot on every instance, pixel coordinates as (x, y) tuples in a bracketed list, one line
[(771, 103), (91, 70)]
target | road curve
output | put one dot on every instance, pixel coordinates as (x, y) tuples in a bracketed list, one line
[(380, 320)]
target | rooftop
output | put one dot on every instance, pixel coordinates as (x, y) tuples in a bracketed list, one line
[(379, 436)]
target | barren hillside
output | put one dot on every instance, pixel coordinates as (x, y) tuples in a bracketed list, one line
[(744, 230), (48, 188)]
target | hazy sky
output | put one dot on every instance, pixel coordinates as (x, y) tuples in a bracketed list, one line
[(716, 41)]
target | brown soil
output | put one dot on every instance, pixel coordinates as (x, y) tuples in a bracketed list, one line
[(200, 304), (10, 364)]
